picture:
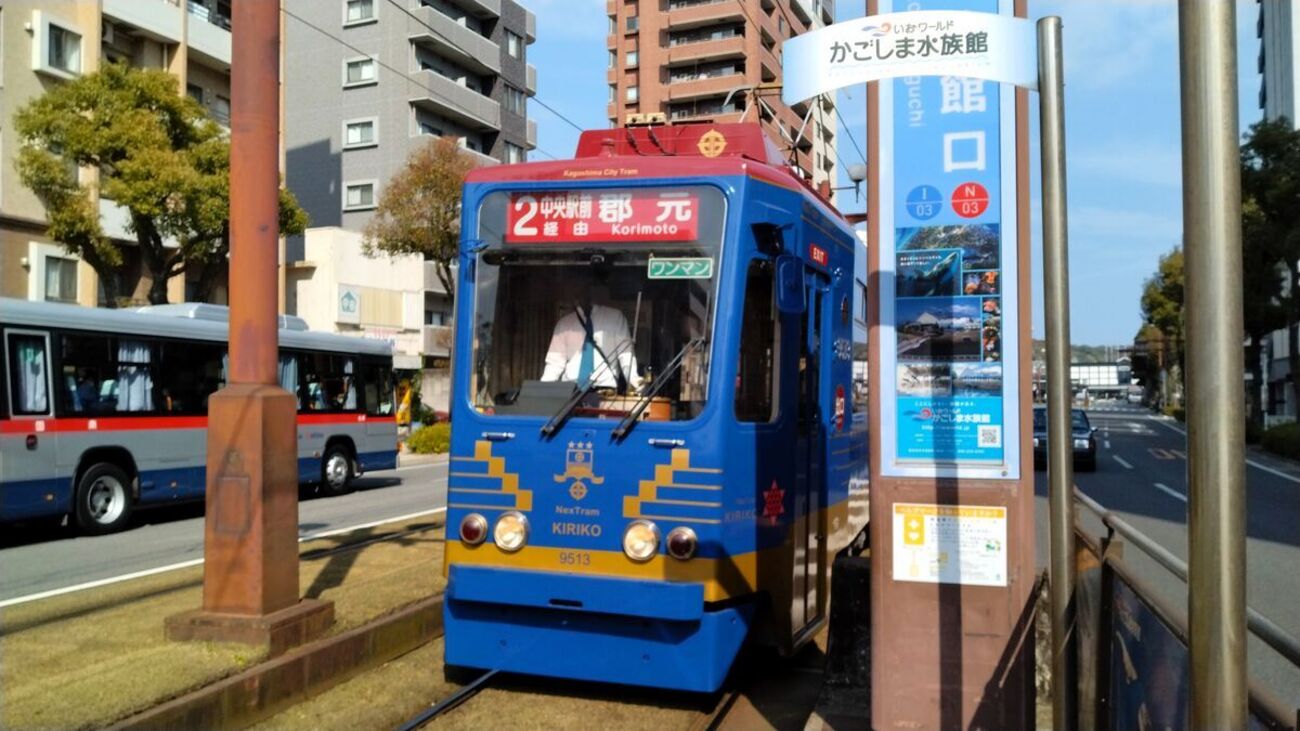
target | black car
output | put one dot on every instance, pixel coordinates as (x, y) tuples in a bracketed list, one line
[(1082, 434)]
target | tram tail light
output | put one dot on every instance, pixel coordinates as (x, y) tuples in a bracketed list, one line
[(473, 529), (511, 531), (682, 543), (641, 540)]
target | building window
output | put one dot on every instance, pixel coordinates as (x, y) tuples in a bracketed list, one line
[(195, 92), (358, 11), (359, 71), (633, 23), (613, 59), (631, 59), (514, 44), (60, 279), (427, 128), (613, 93), (360, 133), (63, 48), (221, 109), (613, 26), (516, 100), (632, 93), (359, 196), (514, 153)]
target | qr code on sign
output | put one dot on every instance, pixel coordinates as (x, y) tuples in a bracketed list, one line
[(990, 436)]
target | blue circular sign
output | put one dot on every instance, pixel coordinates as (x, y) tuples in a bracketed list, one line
[(924, 202)]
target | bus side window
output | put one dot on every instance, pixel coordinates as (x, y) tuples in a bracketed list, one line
[(755, 381), (190, 373), (378, 382), (29, 369)]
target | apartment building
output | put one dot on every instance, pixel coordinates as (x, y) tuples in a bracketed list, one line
[(719, 60), (46, 43), (365, 84), (1278, 29)]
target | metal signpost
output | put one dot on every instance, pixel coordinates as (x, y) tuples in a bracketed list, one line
[(1215, 399), (952, 539)]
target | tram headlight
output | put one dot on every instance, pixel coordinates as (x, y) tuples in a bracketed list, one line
[(641, 540), (473, 529), (511, 532), (681, 543)]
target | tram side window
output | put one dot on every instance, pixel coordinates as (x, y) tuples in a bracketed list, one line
[(190, 374), (29, 366), (860, 349), (103, 375), (755, 384), (377, 379), (327, 382)]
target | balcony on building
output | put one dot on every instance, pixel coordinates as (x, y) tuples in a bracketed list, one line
[(709, 43), (530, 79), (484, 9), (685, 14), (209, 31), (162, 20), (704, 80), (707, 108), (451, 39), (532, 134), (455, 101)]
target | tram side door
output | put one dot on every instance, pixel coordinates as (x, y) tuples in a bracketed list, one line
[(811, 435)]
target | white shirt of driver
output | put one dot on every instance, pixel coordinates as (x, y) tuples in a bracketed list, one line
[(609, 327)]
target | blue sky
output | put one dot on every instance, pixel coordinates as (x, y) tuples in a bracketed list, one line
[(1122, 134)]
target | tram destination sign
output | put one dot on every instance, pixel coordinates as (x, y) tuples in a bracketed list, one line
[(634, 216)]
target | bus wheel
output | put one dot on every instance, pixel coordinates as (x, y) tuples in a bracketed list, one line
[(103, 499), (336, 471)]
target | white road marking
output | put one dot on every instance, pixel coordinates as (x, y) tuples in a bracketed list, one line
[(195, 562), (1120, 459), (1107, 444), (1250, 462), (1171, 492)]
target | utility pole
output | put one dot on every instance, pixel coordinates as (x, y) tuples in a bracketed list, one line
[(1214, 376), (250, 553)]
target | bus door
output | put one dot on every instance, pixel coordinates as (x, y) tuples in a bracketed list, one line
[(29, 451), (809, 570)]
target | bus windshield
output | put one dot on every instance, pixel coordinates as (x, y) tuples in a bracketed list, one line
[(609, 290)]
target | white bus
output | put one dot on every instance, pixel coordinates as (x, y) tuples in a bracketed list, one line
[(103, 411)]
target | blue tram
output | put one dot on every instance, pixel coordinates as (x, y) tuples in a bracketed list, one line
[(659, 409)]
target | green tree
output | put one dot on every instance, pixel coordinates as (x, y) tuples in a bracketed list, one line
[(1270, 186), (419, 211), (159, 156), (1162, 310), (1263, 307)]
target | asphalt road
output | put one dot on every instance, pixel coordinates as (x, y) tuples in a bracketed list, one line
[(37, 559), (1142, 475)]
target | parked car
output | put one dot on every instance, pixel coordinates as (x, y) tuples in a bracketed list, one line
[(1083, 435)]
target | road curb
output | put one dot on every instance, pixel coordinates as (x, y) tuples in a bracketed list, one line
[(266, 689)]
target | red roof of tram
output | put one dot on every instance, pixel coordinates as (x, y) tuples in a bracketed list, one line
[(666, 151)]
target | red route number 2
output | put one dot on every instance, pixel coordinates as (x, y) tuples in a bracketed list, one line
[(970, 200)]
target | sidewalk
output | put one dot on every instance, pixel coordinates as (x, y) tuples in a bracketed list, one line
[(93, 658), (411, 459)]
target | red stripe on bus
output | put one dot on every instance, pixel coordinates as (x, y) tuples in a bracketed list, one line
[(136, 423)]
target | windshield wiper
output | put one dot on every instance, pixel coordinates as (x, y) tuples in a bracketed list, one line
[(561, 416), (660, 381)]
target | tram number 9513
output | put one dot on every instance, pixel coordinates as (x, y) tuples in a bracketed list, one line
[(575, 558)]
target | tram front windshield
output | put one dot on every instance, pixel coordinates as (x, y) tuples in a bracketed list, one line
[(609, 291)]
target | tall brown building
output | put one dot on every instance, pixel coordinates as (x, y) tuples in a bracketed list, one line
[(718, 60)]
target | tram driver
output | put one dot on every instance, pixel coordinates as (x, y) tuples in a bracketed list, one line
[(592, 342)]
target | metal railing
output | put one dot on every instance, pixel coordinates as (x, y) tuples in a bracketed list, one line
[(1266, 709)]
